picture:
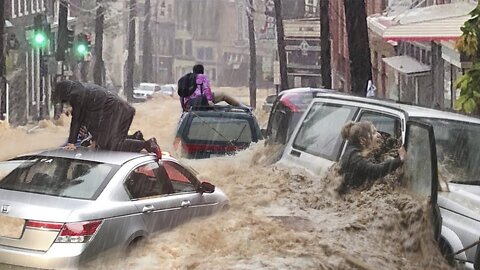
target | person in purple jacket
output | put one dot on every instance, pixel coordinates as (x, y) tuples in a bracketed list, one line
[(203, 95)]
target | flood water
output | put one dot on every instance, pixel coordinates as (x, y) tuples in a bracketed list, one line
[(279, 219)]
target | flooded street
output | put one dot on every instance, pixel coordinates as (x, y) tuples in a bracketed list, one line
[(278, 219)]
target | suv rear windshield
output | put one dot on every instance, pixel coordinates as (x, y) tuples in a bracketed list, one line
[(55, 176), (207, 128), (458, 148)]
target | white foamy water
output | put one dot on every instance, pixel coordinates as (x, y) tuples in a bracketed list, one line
[(279, 219)]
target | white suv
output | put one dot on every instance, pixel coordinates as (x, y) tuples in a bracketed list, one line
[(317, 143)]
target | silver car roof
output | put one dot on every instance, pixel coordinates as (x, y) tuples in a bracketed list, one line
[(83, 153), (410, 110)]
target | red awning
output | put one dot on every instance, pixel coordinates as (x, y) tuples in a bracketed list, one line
[(438, 22)]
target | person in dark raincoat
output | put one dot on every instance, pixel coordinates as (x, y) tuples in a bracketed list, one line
[(104, 114), (356, 168)]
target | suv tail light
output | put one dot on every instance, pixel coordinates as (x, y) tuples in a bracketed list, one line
[(287, 100), (78, 232)]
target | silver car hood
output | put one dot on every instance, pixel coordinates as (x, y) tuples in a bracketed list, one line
[(38, 207), (462, 199)]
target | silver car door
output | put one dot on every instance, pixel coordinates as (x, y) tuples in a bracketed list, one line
[(159, 209), (421, 172), (185, 186)]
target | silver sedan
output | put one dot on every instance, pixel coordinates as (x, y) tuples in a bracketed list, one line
[(60, 209)]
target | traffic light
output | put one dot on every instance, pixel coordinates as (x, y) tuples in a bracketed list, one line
[(41, 32), (81, 47)]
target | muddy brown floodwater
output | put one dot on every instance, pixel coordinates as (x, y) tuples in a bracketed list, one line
[(279, 219)]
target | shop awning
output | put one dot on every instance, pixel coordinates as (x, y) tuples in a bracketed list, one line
[(438, 22), (406, 65)]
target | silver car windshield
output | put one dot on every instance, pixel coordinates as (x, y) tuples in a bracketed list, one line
[(56, 176), (458, 150)]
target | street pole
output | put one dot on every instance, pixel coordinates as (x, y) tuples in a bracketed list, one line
[(282, 55), (99, 67), (253, 56), (147, 45), (130, 63), (61, 49), (3, 83), (325, 57)]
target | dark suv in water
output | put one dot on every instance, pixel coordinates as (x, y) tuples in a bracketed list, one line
[(222, 130)]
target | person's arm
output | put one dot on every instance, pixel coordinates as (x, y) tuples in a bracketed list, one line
[(363, 167), (207, 91), (77, 117)]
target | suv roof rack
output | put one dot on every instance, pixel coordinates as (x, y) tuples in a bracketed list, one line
[(223, 108)]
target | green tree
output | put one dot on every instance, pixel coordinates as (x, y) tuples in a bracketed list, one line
[(469, 83)]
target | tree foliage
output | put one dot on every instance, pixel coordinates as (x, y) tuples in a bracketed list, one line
[(469, 83)]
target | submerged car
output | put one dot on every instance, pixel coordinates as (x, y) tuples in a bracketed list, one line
[(442, 159), (168, 89), (61, 209), (286, 111), (218, 131), (145, 91)]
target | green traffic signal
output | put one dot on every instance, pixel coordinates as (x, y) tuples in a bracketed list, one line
[(40, 39), (81, 49)]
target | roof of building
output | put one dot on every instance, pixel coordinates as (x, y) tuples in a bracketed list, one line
[(438, 22)]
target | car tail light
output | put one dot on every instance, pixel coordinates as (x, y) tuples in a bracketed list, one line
[(41, 225), (177, 143), (288, 102), (78, 232)]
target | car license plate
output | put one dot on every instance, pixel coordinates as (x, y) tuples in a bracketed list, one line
[(11, 227)]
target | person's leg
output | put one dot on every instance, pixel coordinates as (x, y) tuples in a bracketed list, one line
[(220, 96)]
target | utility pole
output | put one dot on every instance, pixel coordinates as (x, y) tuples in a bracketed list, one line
[(282, 55), (358, 46), (130, 64), (3, 83), (253, 55), (99, 67), (325, 57), (147, 45)]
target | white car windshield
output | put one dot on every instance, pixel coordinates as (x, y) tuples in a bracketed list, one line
[(458, 150)]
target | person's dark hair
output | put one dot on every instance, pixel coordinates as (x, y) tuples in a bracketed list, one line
[(63, 89), (356, 132), (198, 69)]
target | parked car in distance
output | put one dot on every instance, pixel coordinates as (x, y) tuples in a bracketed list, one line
[(144, 91), (286, 111), (223, 130), (442, 159), (268, 103), (168, 89), (61, 209)]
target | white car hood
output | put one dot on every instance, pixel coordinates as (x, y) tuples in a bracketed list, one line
[(463, 199)]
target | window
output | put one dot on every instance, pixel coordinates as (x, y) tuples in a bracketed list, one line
[(148, 181), (383, 123), (201, 53), (219, 129), (53, 176), (179, 47), (188, 47), (209, 53), (181, 179), (319, 133)]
